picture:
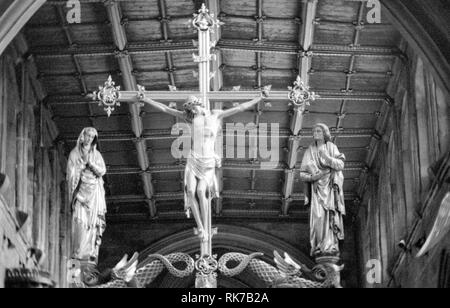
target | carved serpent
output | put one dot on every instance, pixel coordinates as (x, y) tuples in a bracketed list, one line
[(157, 263), (327, 275)]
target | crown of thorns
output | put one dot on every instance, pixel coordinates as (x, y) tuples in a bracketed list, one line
[(192, 101)]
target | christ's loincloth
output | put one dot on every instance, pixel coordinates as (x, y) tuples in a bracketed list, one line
[(204, 169)]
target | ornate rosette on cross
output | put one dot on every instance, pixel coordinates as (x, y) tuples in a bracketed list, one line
[(108, 96), (301, 95), (205, 21)]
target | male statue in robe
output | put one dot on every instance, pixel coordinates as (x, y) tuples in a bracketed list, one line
[(321, 170), (85, 170)]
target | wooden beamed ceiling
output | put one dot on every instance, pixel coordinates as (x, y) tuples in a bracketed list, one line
[(327, 42)]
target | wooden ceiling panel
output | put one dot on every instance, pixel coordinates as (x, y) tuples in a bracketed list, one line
[(262, 205), (149, 61), (363, 106), (360, 121), (112, 146), (330, 63), (380, 35), (338, 10), (353, 154), (60, 65), (49, 36), (120, 158), (279, 61), (160, 156), (374, 64), (279, 79), (184, 60), (67, 110), (156, 80), (237, 183), (158, 121), (160, 144), (332, 106), (93, 81), (239, 76), (98, 64), (353, 142), (46, 15), (231, 175), (61, 84), (367, 82), (180, 29), (72, 126), (282, 8), (144, 31), (274, 117), (113, 123), (269, 181), (311, 119), (185, 79), (239, 7), (91, 34), (125, 184), (238, 58), (92, 12), (335, 34), (328, 81), (239, 28), (180, 7), (148, 9), (166, 176), (166, 186), (281, 30)]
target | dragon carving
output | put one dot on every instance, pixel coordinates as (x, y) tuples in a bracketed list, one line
[(286, 274)]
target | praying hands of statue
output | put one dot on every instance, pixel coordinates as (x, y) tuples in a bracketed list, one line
[(323, 153)]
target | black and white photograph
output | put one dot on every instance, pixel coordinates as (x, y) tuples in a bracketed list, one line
[(224, 148)]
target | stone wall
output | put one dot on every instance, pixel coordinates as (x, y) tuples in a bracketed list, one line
[(398, 200), (33, 207)]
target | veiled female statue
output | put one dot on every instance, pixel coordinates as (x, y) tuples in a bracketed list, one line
[(321, 169), (85, 170)]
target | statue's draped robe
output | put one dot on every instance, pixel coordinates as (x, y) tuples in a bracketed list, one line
[(326, 198), (87, 197)]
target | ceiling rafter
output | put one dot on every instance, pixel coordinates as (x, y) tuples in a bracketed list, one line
[(166, 134), (129, 81), (309, 8), (150, 47), (227, 165), (231, 194)]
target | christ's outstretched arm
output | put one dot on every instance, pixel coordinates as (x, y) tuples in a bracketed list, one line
[(242, 107), (161, 107)]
